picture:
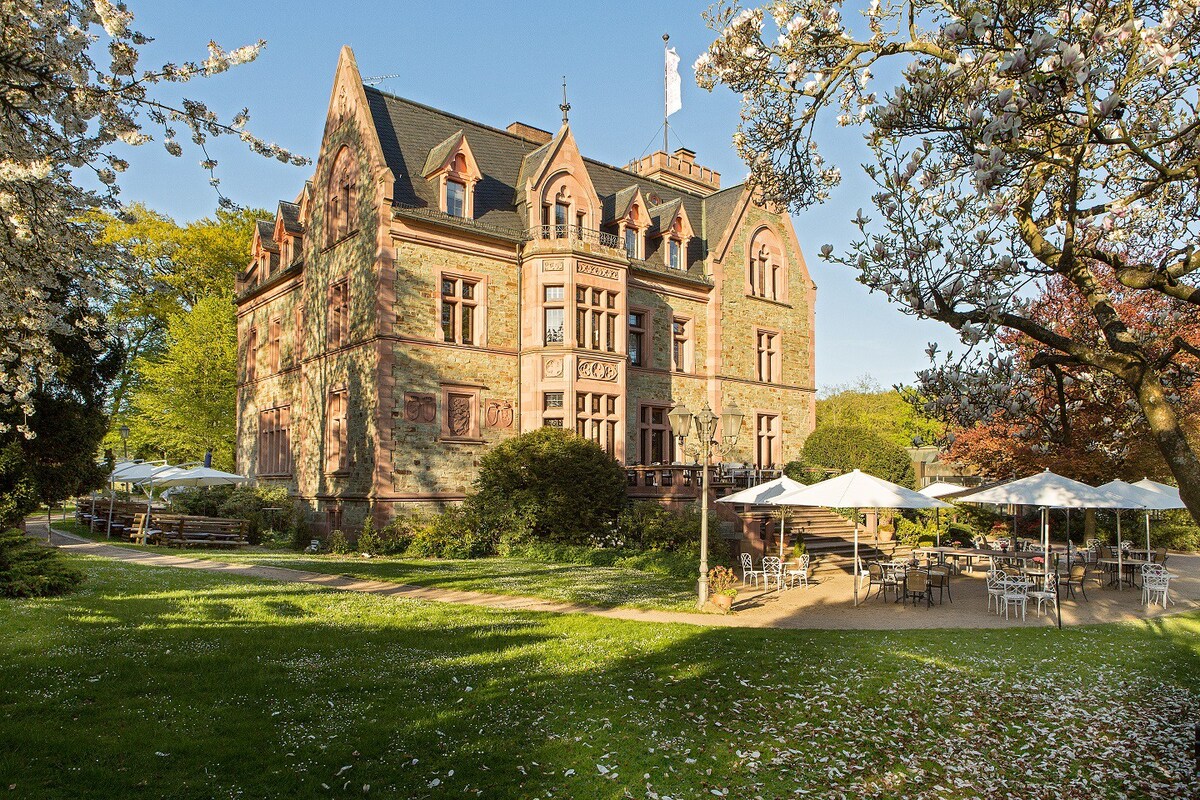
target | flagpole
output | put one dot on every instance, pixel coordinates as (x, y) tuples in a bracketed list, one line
[(666, 38)]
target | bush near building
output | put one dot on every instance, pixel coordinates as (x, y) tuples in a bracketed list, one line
[(844, 447), (555, 485)]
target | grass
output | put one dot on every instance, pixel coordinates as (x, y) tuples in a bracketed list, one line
[(575, 583), (186, 684)]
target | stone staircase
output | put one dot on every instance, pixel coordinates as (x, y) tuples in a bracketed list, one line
[(829, 538)]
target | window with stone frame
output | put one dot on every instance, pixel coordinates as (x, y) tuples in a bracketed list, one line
[(552, 409), (337, 331), (460, 309), (596, 318), (767, 276), (681, 344), (637, 339), (768, 443), (337, 435), (456, 198), (674, 254), (274, 443), (251, 355), (298, 333), (342, 196), (596, 419), (656, 445), (554, 312), (274, 343), (768, 367), (460, 413)]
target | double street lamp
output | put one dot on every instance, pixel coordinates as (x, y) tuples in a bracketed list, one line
[(705, 424)]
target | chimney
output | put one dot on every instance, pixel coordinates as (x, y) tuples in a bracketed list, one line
[(678, 169), (529, 133)]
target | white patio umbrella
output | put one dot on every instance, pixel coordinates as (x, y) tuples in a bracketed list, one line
[(1047, 490), (858, 490), (1149, 499), (202, 476), (765, 494), (147, 476), (1154, 486)]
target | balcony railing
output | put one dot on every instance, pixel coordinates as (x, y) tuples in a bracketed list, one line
[(575, 233)]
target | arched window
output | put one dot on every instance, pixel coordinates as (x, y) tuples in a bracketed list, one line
[(343, 192), (766, 274)]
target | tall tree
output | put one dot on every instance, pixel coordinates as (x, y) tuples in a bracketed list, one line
[(50, 455), (70, 91), (893, 414), (1025, 141), (172, 266), (186, 403)]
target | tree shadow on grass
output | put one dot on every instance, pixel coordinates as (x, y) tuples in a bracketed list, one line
[(349, 690)]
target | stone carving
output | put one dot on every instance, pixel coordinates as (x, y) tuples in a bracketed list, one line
[(420, 407), (499, 414), (458, 414), (596, 370), (553, 367), (555, 265), (600, 272)]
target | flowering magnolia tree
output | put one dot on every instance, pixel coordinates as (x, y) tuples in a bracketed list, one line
[(72, 90), (1026, 145)]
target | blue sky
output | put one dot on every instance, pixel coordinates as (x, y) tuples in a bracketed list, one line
[(498, 63)]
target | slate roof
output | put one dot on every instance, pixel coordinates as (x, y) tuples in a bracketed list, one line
[(438, 155), (290, 212), (266, 230), (410, 132)]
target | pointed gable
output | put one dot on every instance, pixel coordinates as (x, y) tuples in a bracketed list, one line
[(444, 157)]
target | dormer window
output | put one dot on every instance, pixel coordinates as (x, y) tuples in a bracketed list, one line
[(451, 167), (631, 242), (674, 256), (456, 199)]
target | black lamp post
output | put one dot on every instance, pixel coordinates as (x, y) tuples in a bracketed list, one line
[(124, 431)]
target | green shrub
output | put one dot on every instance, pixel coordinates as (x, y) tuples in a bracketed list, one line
[(339, 545), (30, 569), (647, 525), (450, 534), (845, 448), (803, 472), (368, 540), (565, 488)]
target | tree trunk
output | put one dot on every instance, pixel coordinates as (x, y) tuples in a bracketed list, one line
[(1171, 440)]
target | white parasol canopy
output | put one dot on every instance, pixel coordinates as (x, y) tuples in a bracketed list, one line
[(1047, 490), (1171, 492), (1150, 499), (858, 490), (765, 494), (943, 489), (201, 476)]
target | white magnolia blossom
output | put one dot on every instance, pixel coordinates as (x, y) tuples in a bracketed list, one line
[(64, 108), (1022, 142)]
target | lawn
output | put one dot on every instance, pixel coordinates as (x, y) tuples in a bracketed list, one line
[(575, 583), (177, 683)]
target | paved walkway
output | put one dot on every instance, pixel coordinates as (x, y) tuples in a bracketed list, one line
[(826, 604)]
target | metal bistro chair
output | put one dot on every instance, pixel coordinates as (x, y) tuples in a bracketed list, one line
[(1156, 587), (995, 588), (878, 578), (799, 575), (917, 586), (772, 569), (1016, 593), (1077, 577), (1047, 595), (939, 578), (748, 573)]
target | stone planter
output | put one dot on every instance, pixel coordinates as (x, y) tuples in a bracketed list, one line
[(722, 602)]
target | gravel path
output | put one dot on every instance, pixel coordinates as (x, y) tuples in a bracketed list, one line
[(825, 605)]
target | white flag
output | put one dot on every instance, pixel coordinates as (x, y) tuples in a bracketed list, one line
[(674, 102)]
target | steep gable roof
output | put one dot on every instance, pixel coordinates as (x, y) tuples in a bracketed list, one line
[(409, 132)]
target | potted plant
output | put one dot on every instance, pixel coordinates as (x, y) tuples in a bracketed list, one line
[(722, 588)]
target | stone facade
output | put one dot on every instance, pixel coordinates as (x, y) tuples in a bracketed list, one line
[(440, 285)]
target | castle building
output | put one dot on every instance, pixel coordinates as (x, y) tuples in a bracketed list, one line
[(440, 285)]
